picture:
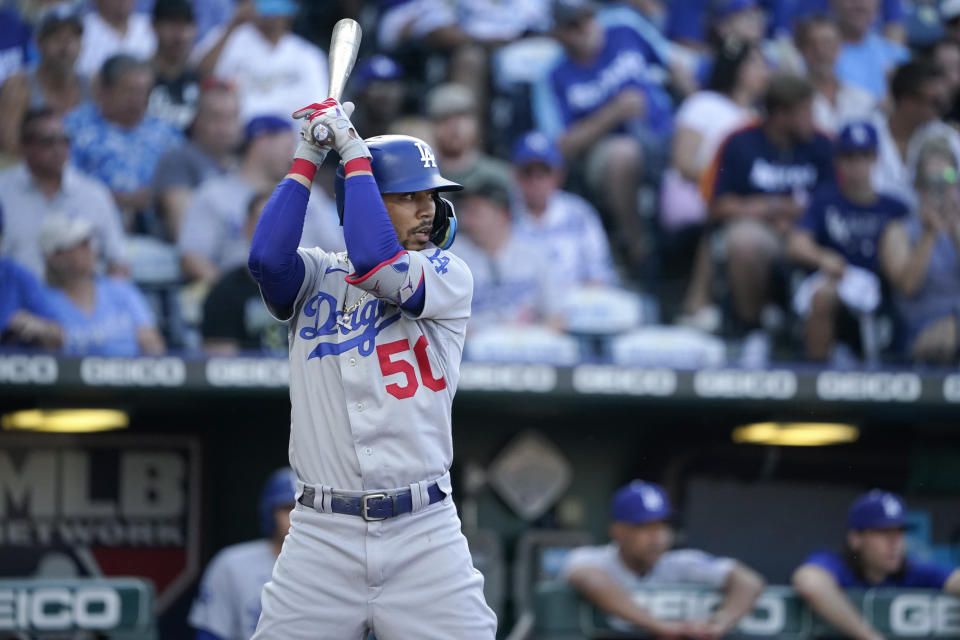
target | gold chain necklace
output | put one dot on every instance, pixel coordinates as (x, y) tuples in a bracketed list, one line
[(344, 312)]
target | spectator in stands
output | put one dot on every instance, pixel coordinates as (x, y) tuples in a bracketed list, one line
[(452, 108), (176, 87), (506, 291), (228, 603), (703, 121), (210, 151), (835, 102), (918, 93), (873, 555), (99, 316), (565, 225), (377, 87), (114, 140), (605, 102), (211, 238), (234, 316), (841, 235), (866, 57), (25, 307), (114, 28), (946, 55), (757, 188), (640, 555), (274, 70), (53, 82), (922, 259), (43, 185), (737, 81)]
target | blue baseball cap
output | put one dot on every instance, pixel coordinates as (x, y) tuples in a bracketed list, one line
[(639, 503), (534, 146), (270, 8), (725, 8), (375, 68), (856, 137), (267, 124), (877, 509)]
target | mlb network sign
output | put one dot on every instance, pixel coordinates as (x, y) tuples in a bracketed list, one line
[(100, 506)]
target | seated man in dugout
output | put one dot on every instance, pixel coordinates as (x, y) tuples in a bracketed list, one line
[(640, 555), (874, 554)]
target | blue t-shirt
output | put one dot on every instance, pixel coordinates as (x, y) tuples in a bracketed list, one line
[(20, 289), (852, 230), (748, 163), (111, 328), (125, 159), (572, 91), (917, 575), (866, 63)]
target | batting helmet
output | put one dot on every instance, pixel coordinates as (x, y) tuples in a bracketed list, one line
[(403, 164), (279, 491)]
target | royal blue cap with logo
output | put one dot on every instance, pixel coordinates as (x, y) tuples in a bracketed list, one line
[(856, 137), (534, 146), (639, 503), (877, 509)]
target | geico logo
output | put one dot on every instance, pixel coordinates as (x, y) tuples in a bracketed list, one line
[(248, 372), (776, 384), (28, 369), (640, 382), (146, 372), (883, 387), (59, 608), (768, 618), (538, 378), (924, 615), (951, 388)]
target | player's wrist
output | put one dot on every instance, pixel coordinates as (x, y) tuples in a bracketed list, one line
[(357, 166)]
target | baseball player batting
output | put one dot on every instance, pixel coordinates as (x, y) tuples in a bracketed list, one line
[(376, 336)]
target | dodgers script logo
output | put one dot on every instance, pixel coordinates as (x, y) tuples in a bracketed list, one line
[(328, 319)]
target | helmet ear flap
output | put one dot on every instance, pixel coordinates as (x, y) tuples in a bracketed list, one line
[(444, 223), (338, 191)]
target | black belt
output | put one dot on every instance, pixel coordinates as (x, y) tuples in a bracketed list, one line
[(372, 506)]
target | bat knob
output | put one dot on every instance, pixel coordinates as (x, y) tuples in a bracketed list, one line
[(321, 134)]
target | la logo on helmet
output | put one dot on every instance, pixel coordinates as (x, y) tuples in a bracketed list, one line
[(426, 155)]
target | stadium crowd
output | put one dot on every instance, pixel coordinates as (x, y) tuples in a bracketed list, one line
[(766, 178)]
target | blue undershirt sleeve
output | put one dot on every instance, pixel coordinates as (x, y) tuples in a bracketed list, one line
[(203, 634), (274, 262), (367, 230)]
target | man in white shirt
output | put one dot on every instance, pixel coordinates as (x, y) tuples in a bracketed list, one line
[(114, 28), (639, 555), (274, 70), (565, 225)]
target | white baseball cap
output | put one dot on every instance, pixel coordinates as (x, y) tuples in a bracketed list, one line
[(63, 232), (949, 9)]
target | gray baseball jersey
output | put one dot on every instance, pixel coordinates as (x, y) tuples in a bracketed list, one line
[(228, 603), (371, 385)]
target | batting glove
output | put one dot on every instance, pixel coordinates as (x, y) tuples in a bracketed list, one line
[(329, 123), (309, 148)]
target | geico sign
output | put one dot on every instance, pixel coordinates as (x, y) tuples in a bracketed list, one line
[(881, 387), (768, 618), (248, 372), (142, 372), (508, 377), (638, 382), (28, 369), (917, 614), (731, 383), (59, 608)]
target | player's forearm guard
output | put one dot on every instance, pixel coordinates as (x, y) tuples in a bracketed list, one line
[(396, 279)]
